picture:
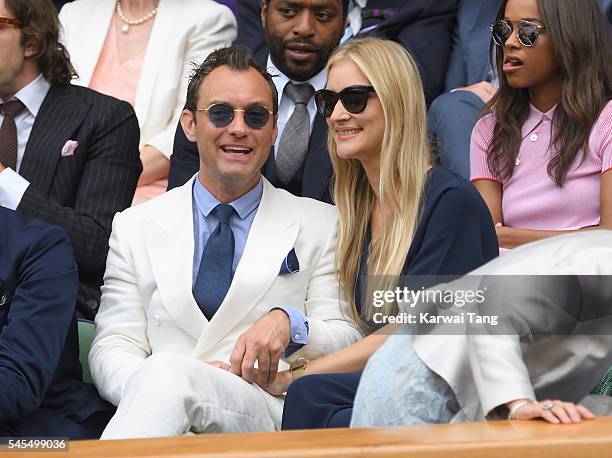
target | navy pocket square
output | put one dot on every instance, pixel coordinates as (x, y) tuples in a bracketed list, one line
[(290, 264)]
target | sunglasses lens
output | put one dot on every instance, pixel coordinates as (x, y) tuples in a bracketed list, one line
[(221, 115), (326, 101), (355, 99), (527, 33), (500, 31), (256, 116)]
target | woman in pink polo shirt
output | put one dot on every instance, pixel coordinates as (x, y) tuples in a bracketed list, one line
[(542, 159)]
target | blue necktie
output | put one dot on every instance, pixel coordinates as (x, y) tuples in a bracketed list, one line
[(215, 274)]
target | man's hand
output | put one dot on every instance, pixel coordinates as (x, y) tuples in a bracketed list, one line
[(263, 342), (484, 90)]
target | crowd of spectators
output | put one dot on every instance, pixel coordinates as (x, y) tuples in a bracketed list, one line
[(219, 187)]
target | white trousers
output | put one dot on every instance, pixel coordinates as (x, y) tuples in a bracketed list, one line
[(173, 394)]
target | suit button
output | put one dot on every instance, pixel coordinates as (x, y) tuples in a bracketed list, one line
[(3, 299), (156, 320)]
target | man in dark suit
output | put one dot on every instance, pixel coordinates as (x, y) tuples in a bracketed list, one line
[(424, 27), (42, 390), (300, 38), (68, 155)]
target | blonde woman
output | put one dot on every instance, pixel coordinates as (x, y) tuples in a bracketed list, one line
[(399, 215)]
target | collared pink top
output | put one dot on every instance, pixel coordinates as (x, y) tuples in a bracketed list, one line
[(531, 199)]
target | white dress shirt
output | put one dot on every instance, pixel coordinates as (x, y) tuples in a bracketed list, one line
[(285, 104), (13, 185)]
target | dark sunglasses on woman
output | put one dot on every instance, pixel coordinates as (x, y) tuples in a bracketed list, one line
[(354, 99), (222, 115), (526, 31)]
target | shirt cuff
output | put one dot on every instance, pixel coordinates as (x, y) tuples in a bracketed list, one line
[(299, 329), (12, 188)]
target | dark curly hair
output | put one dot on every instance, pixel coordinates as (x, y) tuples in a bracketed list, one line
[(39, 25)]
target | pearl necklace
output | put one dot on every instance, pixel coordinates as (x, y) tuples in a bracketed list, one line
[(125, 28)]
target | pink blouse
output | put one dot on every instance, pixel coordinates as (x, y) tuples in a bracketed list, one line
[(531, 199), (113, 77), (120, 80)]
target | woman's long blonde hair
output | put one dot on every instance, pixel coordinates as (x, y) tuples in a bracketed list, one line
[(404, 161)]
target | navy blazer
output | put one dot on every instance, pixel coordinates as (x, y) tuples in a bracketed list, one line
[(40, 372), (424, 27)]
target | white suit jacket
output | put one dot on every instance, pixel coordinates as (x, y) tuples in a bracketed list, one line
[(487, 371), (184, 31), (147, 304)]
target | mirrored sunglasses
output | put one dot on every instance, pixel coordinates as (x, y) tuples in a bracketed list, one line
[(526, 31)]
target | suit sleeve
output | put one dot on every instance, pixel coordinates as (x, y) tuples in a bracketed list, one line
[(250, 30), (425, 28), (459, 236), (215, 29), (106, 186), (121, 344), (185, 160), (331, 326), (41, 312)]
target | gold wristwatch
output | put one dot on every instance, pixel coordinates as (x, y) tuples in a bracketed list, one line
[(297, 368)]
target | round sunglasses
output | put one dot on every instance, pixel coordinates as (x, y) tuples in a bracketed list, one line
[(526, 31), (222, 115), (353, 98)]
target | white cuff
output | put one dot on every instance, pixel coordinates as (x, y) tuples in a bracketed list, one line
[(12, 188)]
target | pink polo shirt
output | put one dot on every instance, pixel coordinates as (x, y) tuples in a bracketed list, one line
[(531, 199)]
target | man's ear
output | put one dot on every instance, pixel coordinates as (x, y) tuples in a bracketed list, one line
[(264, 12), (30, 50), (189, 125)]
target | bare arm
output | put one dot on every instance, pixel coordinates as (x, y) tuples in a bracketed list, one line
[(511, 237)]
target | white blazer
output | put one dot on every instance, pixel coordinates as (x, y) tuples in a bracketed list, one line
[(184, 31), (487, 371), (147, 304)]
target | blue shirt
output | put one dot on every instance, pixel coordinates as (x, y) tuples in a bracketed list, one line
[(205, 222)]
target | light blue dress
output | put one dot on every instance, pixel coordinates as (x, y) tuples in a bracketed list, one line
[(398, 389)]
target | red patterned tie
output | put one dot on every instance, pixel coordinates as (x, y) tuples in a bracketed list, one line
[(8, 133)]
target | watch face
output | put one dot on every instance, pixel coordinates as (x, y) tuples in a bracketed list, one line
[(298, 364)]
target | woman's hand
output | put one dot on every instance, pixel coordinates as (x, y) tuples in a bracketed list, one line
[(552, 411), (280, 384)]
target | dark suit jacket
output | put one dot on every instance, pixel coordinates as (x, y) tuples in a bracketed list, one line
[(40, 373), (469, 62), (311, 180), (81, 193), (424, 27)]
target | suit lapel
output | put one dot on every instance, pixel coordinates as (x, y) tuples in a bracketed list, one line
[(317, 166), (155, 57), (170, 246), (60, 115), (272, 235)]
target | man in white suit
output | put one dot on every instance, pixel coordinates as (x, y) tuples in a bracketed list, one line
[(226, 268)]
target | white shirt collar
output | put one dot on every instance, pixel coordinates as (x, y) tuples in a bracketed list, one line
[(280, 79), (33, 94)]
